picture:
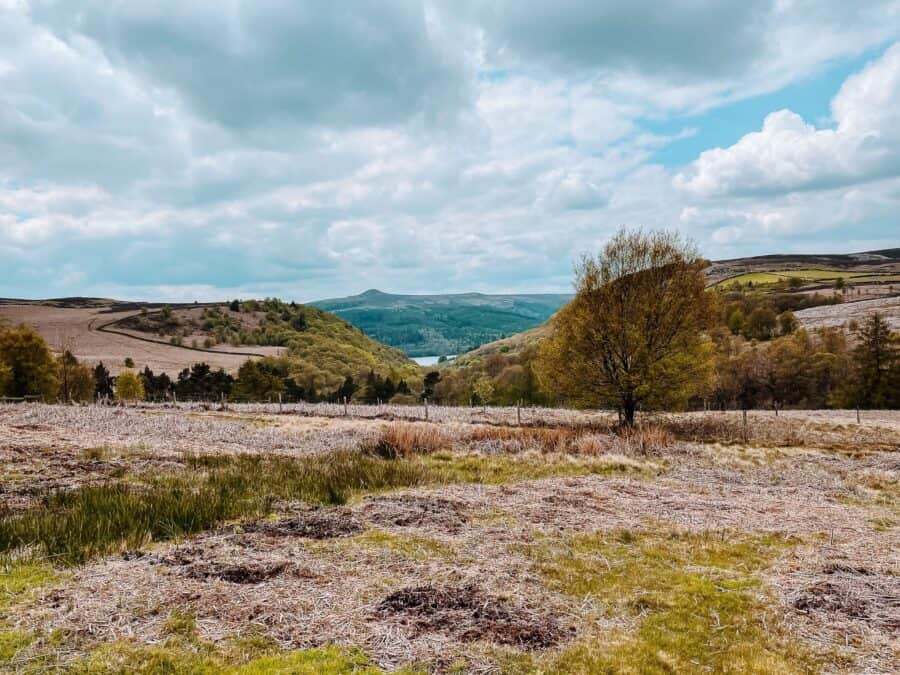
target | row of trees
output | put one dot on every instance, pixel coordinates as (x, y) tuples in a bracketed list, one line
[(30, 370), (818, 369)]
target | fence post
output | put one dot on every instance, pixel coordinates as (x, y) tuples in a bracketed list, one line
[(744, 411), (426, 408), (346, 409), (519, 412), (857, 414), (279, 402)]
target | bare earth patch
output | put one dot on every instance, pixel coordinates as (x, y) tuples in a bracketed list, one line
[(467, 613)]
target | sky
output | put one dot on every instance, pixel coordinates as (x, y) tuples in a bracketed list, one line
[(210, 149)]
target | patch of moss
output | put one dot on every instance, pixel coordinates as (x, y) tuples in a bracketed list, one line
[(17, 582), (182, 624), (175, 658), (693, 598), (12, 642), (19, 579)]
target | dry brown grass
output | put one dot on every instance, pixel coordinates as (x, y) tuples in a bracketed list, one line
[(405, 440), (644, 440), (520, 439)]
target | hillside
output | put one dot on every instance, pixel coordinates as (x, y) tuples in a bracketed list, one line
[(322, 347), (870, 263), (426, 325)]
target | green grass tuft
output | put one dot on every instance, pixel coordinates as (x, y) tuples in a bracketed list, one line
[(448, 467), (72, 527)]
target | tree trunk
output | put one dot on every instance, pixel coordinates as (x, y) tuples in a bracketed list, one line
[(628, 408)]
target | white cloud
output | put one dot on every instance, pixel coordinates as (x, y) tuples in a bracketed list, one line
[(418, 146), (789, 155)]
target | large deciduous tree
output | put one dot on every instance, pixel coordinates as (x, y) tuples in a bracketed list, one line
[(634, 335)]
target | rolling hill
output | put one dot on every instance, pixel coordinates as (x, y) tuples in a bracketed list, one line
[(321, 346), (427, 325)]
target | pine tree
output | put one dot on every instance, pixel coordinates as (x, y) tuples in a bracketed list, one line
[(876, 363), (103, 382)]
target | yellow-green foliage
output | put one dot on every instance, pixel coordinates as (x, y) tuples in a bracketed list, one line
[(12, 642), (329, 349), (695, 601), (29, 367), (129, 386), (445, 467)]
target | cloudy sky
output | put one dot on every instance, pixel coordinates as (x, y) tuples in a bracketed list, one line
[(204, 149)]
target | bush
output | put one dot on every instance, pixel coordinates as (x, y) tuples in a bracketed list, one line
[(30, 369)]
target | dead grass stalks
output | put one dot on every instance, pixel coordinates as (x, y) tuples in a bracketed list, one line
[(406, 440)]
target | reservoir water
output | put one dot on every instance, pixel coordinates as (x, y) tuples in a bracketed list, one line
[(430, 360)]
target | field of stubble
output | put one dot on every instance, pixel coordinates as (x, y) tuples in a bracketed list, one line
[(313, 539)]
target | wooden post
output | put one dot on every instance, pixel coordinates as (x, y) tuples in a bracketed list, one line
[(745, 424), (346, 409), (519, 412), (426, 408), (857, 414), (279, 402)]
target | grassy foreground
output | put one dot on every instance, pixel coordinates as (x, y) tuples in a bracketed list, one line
[(74, 526)]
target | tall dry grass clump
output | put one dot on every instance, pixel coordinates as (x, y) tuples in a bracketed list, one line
[(714, 428), (644, 440), (520, 439), (406, 440)]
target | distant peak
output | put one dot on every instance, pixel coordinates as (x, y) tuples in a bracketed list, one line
[(372, 291)]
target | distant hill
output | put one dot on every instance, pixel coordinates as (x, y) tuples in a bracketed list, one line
[(433, 325)]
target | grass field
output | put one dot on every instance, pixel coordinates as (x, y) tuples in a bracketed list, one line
[(807, 275), (183, 540)]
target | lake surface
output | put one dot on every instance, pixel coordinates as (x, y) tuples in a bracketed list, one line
[(430, 360)]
